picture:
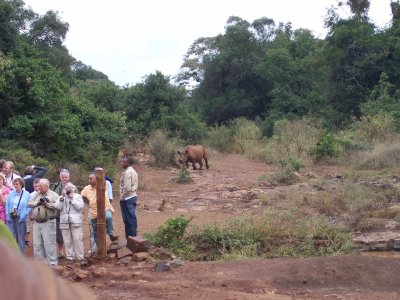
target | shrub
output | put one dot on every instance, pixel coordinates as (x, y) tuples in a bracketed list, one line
[(162, 148), (278, 233), (286, 173), (183, 176), (171, 235), (295, 138), (384, 157), (247, 134), (221, 138), (374, 129), (328, 146)]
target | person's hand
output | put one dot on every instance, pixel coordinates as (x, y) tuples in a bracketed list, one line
[(62, 198)]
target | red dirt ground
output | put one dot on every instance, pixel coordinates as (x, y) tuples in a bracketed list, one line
[(208, 199)]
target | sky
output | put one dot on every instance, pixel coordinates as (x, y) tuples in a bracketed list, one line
[(128, 40)]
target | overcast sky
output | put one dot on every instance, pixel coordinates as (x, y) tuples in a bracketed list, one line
[(127, 40)]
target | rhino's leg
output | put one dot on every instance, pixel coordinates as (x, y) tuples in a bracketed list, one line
[(194, 165), (200, 163), (206, 160)]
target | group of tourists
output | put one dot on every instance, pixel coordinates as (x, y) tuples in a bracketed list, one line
[(57, 213)]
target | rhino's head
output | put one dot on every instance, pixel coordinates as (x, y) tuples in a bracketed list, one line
[(182, 152)]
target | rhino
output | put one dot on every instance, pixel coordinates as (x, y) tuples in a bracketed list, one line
[(193, 154)]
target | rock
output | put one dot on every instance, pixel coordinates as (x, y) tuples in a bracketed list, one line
[(137, 244), (392, 224), (161, 267), (123, 252), (175, 263), (114, 247), (378, 241), (112, 256), (124, 261), (140, 256)]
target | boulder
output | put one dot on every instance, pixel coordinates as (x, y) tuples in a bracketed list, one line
[(138, 244), (123, 252), (378, 241)]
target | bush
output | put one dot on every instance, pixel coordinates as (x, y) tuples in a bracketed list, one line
[(374, 129), (171, 235), (295, 138), (328, 146), (278, 233), (221, 138), (384, 157), (183, 176), (247, 134), (286, 173), (162, 148)]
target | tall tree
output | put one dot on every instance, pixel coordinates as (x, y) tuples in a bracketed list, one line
[(48, 33), (13, 19), (230, 87)]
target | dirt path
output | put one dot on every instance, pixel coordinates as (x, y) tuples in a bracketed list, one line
[(228, 189)]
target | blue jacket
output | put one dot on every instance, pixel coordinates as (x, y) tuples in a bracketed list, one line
[(23, 209)]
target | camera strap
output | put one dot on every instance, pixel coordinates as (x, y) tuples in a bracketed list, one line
[(19, 201)]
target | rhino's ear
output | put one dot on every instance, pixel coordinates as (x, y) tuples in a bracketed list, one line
[(179, 152), (187, 151)]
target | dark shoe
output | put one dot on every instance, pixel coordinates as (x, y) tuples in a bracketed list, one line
[(114, 237)]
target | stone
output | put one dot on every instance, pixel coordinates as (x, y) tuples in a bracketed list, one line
[(124, 261), (175, 263), (113, 248), (123, 252), (161, 267), (392, 224), (378, 241), (140, 256), (138, 244)]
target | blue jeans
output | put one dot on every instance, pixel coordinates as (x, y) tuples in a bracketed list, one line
[(18, 229), (109, 225), (128, 212)]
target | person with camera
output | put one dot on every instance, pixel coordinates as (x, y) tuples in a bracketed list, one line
[(58, 188), (44, 212), (16, 211), (70, 205)]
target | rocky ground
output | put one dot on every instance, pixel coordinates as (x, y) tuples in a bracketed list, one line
[(232, 187)]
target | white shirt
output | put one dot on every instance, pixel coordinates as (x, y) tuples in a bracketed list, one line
[(9, 180)]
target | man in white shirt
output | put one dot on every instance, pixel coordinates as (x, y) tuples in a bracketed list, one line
[(8, 170)]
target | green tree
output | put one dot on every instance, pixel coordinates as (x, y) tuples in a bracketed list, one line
[(103, 93), (352, 52), (13, 19), (146, 104), (48, 33), (229, 86)]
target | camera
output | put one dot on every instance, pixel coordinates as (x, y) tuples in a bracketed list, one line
[(14, 213), (68, 193), (44, 199)]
